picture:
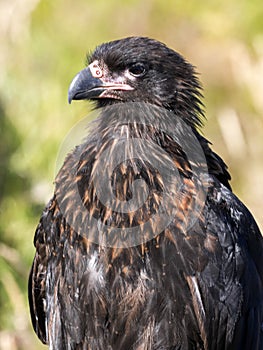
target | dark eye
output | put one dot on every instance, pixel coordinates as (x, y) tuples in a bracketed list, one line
[(137, 69)]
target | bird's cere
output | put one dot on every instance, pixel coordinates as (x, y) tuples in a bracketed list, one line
[(95, 69)]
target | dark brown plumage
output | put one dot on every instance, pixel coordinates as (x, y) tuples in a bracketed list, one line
[(175, 261)]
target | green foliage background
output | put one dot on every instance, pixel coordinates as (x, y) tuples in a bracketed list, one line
[(43, 45)]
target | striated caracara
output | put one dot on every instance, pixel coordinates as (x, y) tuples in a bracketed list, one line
[(143, 245)]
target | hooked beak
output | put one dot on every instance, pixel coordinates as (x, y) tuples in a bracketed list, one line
[(85, 86)]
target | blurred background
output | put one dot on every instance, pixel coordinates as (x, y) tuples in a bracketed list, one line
[(44, 44)]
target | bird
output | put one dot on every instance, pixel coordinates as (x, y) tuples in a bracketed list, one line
[(144, 245)]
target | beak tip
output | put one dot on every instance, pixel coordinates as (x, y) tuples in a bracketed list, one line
[(69, 98), (73, 88)]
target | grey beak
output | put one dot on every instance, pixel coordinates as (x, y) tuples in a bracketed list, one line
[(85, 86)]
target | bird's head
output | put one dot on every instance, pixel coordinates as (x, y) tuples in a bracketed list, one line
[(140, 69)]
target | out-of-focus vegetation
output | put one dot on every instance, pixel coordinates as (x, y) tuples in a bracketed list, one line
[(43, 45)]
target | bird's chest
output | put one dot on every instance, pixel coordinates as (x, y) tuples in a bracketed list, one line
[(126, 280), (132, 295)]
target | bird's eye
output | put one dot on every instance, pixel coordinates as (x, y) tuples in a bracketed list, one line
[(137, 70)]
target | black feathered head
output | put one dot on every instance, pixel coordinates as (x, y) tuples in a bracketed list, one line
[(142, 70)]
